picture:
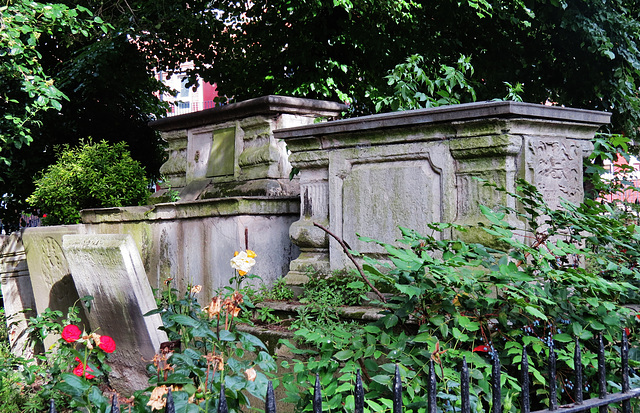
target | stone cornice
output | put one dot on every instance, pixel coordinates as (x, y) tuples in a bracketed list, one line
[(265, 105), (450, 114)]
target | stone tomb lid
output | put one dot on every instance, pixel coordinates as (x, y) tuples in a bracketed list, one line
[(450, 113)]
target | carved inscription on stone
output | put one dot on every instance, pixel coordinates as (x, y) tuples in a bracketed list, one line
[(52, 262), (556, 170)]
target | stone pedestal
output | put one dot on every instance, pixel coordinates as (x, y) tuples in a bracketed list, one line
[(231, 150), (312, 241)]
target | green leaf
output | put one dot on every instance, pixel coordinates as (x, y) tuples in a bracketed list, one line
[(563, 338), (390, 320), (343, 355), (409, 290), (535, 312), (250, 338), (382, 379), (467, 324), (72, 385), (372, 329), (226, 335), (423, 338)]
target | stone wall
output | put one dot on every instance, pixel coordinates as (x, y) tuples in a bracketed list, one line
[(370, 175), (193, 242)]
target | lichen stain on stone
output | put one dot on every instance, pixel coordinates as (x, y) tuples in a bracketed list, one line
[(307, 210)]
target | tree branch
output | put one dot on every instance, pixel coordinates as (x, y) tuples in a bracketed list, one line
[(353, 260)]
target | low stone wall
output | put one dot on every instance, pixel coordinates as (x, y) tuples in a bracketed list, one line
[(370, 175), (193, 242)]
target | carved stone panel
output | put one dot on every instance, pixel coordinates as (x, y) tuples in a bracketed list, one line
[(555, 167), (198, 152), (50, 276)]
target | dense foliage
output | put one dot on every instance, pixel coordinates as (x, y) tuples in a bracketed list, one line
[(452, 299), (68, 76), (27, 88), (93, 175), (573, 52)]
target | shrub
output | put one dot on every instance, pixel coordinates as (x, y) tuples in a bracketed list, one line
[(209, 350), (92, 175)]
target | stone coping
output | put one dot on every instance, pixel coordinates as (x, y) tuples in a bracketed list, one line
[(265, 105), (218, 207), (451, 113)]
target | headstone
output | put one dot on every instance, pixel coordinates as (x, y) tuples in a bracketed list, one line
[(49, 271), (17, 295), (109, 268)]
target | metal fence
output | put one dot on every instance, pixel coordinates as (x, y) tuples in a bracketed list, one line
[(601, 402)]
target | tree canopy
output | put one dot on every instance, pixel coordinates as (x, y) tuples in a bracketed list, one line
[(68, 76), (579, 53)]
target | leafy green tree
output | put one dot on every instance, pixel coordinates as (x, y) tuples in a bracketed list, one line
[(581, 53), (103, 88), (28, 89)]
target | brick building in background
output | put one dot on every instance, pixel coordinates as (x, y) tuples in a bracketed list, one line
[(630, 178), (187, 100)]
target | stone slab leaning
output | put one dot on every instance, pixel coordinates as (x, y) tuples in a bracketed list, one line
[(108, 267)]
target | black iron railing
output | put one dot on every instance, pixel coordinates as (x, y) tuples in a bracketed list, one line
[(602, 402)]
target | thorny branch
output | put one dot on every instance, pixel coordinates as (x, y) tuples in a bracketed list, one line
[(353, 260)]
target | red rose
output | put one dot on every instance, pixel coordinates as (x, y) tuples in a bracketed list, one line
[(107, 344), (71, 333), (80, 369)]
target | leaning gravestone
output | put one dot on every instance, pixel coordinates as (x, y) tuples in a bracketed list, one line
[(109, 268), (51, 280)]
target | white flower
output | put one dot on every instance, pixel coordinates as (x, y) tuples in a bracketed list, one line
[(242, 262)]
